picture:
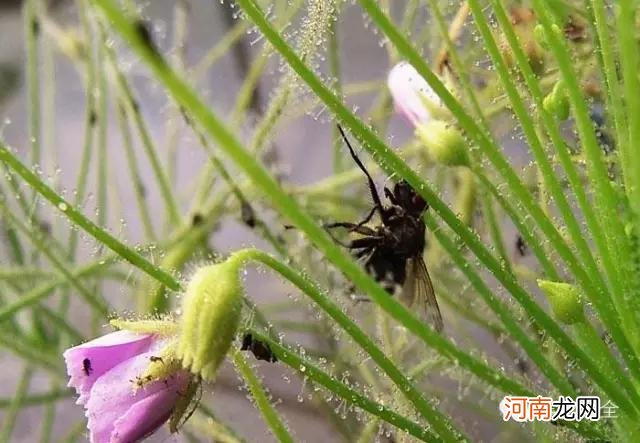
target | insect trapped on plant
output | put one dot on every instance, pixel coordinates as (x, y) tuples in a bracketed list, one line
[(392, 251)]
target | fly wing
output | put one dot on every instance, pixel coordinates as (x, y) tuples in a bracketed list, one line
[(418, 294)]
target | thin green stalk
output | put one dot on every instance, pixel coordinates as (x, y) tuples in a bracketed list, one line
[(133, 108), (39, 399), (211, 426), (61, 323), (27, 352), (172, 127), (307, 369), (626, 25), (91, 116), (262, 402), (219, 50), (136, 178), (15, 245), (39, 293), (47, 422), (96, 301), (613, 94), (75, 432), (32, 33), (16, 405), (101, 113), (77, 218), (394, 165), (334, 65)]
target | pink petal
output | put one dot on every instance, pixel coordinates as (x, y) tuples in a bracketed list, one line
[(144, 417), (88, 361), (408, 90), (113, 395)]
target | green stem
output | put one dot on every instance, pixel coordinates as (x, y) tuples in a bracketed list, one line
[(77, 218), (133, 109), (268, 411), (626, 21), (39, 399), (15, 407), (132, 162), (32, 32), (39, 293), (96, 301), (102, 115)]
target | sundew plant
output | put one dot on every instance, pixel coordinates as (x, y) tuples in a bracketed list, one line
[(129, 297)]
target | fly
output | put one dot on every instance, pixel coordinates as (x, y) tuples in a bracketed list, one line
[(260, 350), (392, 251), (86, 367)]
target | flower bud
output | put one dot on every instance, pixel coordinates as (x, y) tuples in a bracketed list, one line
[(444, 142), (412, 95), (557, 102), (210, 316), (565, 301), (540, 36)]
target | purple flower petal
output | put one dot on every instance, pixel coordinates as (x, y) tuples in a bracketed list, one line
[(88, 361), (409, 90), (144, 417), (113, 394)]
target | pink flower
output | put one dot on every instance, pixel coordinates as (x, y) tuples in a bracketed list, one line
[(411, 93), (105, 372)]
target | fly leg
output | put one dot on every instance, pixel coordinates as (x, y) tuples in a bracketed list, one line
[(353, 227), (372, 186), (390, 196)]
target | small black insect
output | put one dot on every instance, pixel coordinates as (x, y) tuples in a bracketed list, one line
[(605, 140), (155, 359), (258, 348), (247, 214), (521, 246), (86, 367), (392, 252)]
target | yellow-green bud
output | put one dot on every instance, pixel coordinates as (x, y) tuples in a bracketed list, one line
[(444, 142), (540, 36), (210, 316), (557, 102), (565, 301)]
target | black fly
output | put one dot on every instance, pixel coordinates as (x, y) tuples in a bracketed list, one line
[(392, 252), (86, 367), (260, 350), (521, 246)]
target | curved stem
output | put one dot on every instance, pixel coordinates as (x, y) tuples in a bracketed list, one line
[(268, 411)]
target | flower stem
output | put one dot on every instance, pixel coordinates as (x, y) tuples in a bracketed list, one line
[(268, 411)]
